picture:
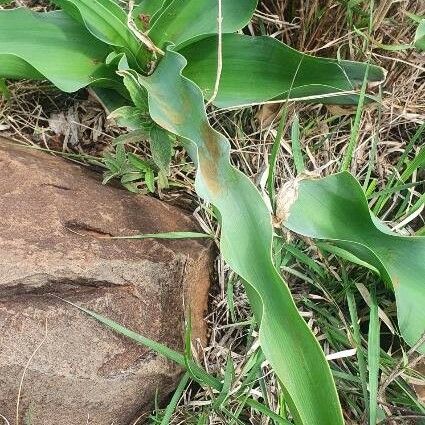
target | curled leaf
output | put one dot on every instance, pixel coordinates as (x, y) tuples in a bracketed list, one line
[(176, 104), (52, 46), (261, 69), (335, 208), (107, 21), (183, 21)]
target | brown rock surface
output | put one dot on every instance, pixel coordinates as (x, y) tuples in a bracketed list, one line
[(51, 214)]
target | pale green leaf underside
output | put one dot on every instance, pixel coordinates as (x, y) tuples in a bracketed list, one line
[(341, 214), (182, 21), (176, 104), (260, 69), (52, 46)]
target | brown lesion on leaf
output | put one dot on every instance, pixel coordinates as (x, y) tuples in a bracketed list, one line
[(395, 280), (175, 116), (209, 156), (144, 18)]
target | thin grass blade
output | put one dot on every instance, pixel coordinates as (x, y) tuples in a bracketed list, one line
[(373, 349), (200, 375)]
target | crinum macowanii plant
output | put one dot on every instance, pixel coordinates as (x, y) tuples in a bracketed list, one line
[(154, 66)]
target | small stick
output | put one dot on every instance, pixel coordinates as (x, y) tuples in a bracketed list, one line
[(140, 35)]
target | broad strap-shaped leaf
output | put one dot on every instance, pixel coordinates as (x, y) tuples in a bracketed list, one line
[(107, 21), (182, 21), (261, 69), (51, 46), (176, 104), (14, 67), (335, 208)]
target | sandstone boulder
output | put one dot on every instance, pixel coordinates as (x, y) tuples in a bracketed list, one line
[(52, 213)]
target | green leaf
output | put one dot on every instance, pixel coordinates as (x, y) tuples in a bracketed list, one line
[(14, 67), (229, 376), (260, 69), (161, 147), (52, 46), (4, 90), (135, 136), (149, 7), (130, 117), (137, 93), (171, 407), (133, 117), (296, 145), (107, 21), (138, 163), (373, 351), (110, 99), (341, 214), (150, 180), (176, 104), (420, 36), (147, 11), (414, 17), (183, 21)]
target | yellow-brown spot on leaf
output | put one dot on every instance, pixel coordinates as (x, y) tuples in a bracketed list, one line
[(395, 281), (144, 21), (173, 115), (212, 141), (209, 156)]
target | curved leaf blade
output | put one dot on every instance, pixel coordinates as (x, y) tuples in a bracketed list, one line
[(261, 69), (176, 104), (106, 21), (14, 67), (183, 21), (103, 18), (341, 214), (53, 46)]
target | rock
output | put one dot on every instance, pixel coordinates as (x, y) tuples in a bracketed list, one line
[(53, 214)]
